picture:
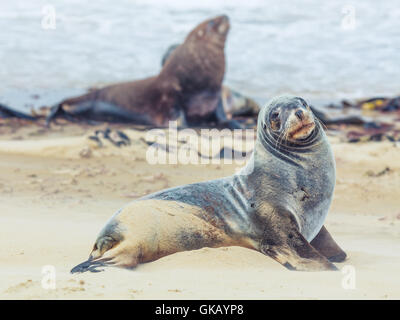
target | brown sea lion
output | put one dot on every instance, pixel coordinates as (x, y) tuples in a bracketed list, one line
[(276, 204), (234, 104), (188, 85)]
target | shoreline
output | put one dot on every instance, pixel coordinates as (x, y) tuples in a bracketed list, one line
[(24, 100)]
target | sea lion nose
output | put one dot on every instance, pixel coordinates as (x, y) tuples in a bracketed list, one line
[(224, 18), (299, 114)]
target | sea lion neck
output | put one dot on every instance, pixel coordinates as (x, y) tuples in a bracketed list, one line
[(216, 44), (195, 67)]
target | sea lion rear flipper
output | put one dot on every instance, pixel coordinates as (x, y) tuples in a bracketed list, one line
[(58, 110), (91, 265), (75, 105), (283, 242), (325, 245), (7, 112)]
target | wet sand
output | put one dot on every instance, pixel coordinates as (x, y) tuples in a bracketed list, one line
[(58, 189)]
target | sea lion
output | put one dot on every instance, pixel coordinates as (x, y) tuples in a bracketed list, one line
[(233, 103), (188, 86), (276, 204)]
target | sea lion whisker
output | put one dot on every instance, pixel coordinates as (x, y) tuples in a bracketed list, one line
[(321, 123), (279, 139)]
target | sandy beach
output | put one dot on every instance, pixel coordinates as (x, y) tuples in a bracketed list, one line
[(58, 189), (78, 68)]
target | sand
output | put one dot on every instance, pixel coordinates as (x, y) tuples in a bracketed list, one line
[(58, 189)]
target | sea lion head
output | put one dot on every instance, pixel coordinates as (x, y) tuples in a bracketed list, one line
[(287, 121), (214, 30)]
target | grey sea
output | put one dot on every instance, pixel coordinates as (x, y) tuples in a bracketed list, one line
[(320, 50)]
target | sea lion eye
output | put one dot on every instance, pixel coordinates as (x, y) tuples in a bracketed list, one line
[(274, 115), (275, 121)]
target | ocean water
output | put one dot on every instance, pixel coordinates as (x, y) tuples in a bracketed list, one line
[(319, 50)]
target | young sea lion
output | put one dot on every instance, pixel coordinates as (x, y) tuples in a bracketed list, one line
[(276, 205), (188, 85)]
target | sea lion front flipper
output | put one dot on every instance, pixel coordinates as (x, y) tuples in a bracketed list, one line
[(298, 255), (325, 244), (283, 242)]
